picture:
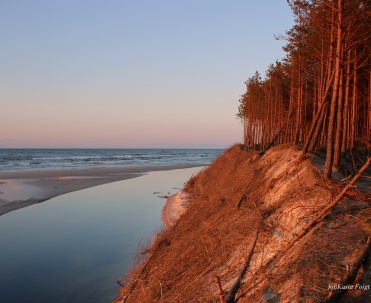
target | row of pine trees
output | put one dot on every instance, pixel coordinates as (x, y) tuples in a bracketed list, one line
[(320, 93)]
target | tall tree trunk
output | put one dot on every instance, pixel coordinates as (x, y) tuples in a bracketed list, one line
[(318, 119), (354, 106), (369, 107), (330, 133), (346, 108), (298, 110), (339, 120)]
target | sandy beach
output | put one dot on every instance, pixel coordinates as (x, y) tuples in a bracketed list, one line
[(24, 188)]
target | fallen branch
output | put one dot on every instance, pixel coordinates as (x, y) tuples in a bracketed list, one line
[(331, 205), (274, 139), (352, 271), (307, 227), (277, 134), (236, 286), (243, 198), (220, 289)]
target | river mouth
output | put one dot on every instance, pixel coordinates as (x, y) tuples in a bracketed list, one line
[(74, 247)]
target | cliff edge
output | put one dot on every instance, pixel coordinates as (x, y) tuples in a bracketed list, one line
[(240, 231)]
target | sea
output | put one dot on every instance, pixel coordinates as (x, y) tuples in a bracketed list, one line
[(74, 247), (54, 159)]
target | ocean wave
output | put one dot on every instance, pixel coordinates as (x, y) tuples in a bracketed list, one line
[(15, 158), (74, 158)]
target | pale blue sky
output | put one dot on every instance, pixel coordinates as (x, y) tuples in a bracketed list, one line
[(131, 73)]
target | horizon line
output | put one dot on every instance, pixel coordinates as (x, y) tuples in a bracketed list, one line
[(2, 148)]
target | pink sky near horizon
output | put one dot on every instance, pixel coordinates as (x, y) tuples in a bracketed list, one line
[(59, 125), (111, 133), (129, 74)]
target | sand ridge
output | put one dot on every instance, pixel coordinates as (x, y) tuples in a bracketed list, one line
[(174, 207), (24, 188)]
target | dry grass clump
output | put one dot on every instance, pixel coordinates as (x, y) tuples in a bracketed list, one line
[(205, 236)]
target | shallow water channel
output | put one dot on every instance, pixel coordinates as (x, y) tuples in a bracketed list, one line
[(74, 247)]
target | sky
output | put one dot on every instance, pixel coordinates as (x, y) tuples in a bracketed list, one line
[(131, 73)]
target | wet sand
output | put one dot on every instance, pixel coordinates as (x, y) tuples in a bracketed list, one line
[(21, 189)]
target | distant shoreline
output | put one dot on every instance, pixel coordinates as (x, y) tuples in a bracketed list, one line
[(20, 189)]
